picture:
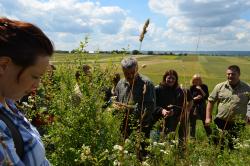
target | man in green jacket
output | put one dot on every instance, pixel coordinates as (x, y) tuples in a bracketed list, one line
[(232, 98)]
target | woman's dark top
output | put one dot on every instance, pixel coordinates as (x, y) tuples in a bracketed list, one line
[(166, 96), (200, 104)]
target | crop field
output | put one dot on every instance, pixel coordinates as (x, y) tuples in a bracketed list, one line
[(211, 68)]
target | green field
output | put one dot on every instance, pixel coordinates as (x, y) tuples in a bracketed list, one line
[(211, 68)]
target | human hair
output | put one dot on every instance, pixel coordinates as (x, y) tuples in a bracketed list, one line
[(84, 70), (168, 73), (128, 63), (196, 77), (23, 42), (234, 68), (77, 75)]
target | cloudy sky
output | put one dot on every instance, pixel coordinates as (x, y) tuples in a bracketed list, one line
[(116, 24)]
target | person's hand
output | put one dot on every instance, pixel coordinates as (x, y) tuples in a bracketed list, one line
[(208, 121), (170, 107), (197, 97), (198, 87), (165, 113), (113, 98)]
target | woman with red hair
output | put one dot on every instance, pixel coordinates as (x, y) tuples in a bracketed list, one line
[(24, 58)]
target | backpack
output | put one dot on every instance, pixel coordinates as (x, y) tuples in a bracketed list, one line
[(16, 135)]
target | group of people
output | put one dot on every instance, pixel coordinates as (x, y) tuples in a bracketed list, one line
[(24, 58), (138, 97)]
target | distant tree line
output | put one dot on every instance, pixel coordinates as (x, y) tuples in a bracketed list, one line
[(133, 52), (61, 51)]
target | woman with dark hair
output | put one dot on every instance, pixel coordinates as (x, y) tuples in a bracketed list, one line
[(199, 93), (24, 57), (169, 100), (170, 103)]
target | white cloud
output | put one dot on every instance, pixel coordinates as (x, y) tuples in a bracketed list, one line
[(127, 36), (219, 22), (130, 27), (205, 13), (70, 17), (111, 27)]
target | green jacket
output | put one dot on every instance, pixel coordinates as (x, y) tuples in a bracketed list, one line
[(142, 99), (232, 103)]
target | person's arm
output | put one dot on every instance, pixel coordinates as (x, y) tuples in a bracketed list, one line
[(204, 92), (116, 100), (158, 109), (209, 109), (148, 104), (7, 148), (212, 99), (201, 90)]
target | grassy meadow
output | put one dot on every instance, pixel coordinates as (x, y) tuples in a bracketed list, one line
[(211, 68)]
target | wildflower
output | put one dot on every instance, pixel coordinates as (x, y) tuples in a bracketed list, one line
[(31, 99), (116, 162), (118, 147), (172, 145), (85, 150), (161, 144), (174, 141), (144, 163), (83, 157), (245, 145), (163, 151), (127, 141), (144, 66)]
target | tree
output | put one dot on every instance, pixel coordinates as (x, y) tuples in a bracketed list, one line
[(135, 52), (150, 52)]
